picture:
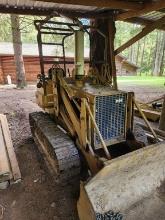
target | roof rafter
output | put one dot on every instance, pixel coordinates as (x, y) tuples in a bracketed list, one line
[(21, 11), (112, 4), (148, 7), (143, 21)]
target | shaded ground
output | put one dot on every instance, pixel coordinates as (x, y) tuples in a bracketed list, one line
[(38, 197)]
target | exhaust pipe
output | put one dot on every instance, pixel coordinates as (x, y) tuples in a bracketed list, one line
[(79, 54)]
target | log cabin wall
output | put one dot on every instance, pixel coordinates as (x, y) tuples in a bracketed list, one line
[(119, 60), (32, 67), (128, 70), (124, 67), (1, 73)]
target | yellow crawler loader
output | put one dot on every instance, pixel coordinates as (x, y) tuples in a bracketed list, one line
[(86, 129)]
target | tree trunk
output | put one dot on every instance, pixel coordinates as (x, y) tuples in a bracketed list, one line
[(137, 54), (159, 54), (17, 46), (142, 56), (132, 56), (163, 56), (162, 117)]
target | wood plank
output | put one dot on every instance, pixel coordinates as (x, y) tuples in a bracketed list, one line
[(10, 150), (150, 114), (5, 172), (144, 118), (157, 131), (148, 7), (71, 112), (113, 4), (146, 30), (98, 132), (83, 124)]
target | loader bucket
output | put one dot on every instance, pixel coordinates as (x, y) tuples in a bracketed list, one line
[(129, 187)]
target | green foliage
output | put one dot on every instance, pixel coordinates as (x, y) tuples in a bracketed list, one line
[(142, 52), (151, 81), (5, 28)]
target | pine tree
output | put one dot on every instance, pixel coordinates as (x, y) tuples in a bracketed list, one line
[(17, 46)]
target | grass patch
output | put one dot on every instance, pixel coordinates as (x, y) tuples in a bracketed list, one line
[(142, 80)]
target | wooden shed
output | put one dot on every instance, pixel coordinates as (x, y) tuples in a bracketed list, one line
[(124, 67), (32, 64)]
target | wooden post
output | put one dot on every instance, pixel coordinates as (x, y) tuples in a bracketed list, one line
[(102, 50), (162, 117), (112, 31), (98, 132), (97, 42), (146, 121)]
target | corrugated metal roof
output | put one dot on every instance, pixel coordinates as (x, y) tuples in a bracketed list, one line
[(153, 15), (28, 4), (46, 8)]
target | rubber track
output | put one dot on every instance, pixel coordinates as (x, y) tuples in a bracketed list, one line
[(59, 147)]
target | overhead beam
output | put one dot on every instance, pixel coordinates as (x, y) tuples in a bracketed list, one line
[(25, 11), (112, 4), (148, 7), (146, 30), (57, 12), (47, 12), (143, 21)]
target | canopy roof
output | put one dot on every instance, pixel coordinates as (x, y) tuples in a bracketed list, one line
[(136, 11)]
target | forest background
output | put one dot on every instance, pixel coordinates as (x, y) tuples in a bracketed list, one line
[(148, 53)]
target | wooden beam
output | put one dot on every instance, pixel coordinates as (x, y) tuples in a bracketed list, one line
[(113, 4), (143, 21), (56, 12), (148, 7), (21, 11), (146, 30), (112, 32), (9, 148), (45, 12)]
